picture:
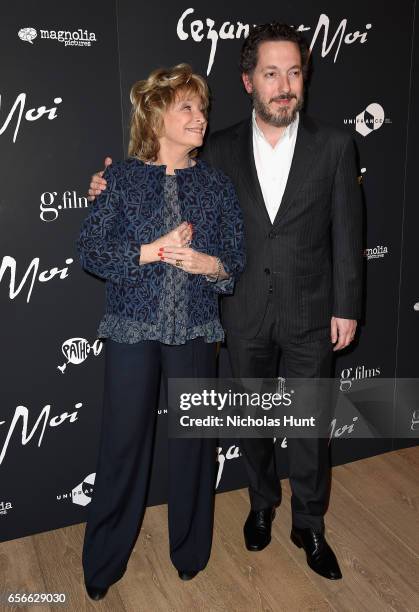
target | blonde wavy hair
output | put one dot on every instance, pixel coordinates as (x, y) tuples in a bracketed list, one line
[(151, 97)]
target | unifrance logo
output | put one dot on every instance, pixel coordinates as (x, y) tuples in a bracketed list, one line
[(81, 494), (368, 120), (377, 252), (206, 29), (77, 38), (68, 200), (76, 351)]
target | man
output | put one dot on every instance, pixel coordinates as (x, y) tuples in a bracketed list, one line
[(300, 294)]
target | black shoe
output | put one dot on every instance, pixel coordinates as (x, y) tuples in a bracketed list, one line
[(257, 528), (186, 575), (95, 593), (320, 557)]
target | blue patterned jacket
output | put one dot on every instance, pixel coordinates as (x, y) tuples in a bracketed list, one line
[(129, 213)]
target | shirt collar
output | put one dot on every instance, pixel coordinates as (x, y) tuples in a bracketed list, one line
[(290, 130)]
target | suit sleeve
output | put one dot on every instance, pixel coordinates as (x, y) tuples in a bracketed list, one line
[(207, 152), (102, 246), (231, 246), (347, 237)]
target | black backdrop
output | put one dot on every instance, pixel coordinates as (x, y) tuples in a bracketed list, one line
[(65, 77)]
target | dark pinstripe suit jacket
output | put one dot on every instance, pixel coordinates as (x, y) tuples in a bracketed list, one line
[(310, 258)]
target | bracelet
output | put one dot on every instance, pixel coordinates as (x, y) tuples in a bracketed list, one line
[(212, 279)]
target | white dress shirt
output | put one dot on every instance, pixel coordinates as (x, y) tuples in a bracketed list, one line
[(273, 163)]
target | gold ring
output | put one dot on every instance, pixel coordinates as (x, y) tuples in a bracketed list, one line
[(178, 263)]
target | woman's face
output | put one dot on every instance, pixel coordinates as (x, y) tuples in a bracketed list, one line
[(184, 123)]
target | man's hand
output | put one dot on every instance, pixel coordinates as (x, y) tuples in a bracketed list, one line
[(342, 332), (98, 184)]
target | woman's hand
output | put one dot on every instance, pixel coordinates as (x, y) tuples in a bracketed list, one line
[(192, 261), (178, 237)]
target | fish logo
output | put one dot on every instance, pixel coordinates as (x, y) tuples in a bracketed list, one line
[(76, 350)]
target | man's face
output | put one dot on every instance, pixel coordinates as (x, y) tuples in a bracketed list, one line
[(276, 84)]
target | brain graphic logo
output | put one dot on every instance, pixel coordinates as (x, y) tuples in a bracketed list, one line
[(27, 35)]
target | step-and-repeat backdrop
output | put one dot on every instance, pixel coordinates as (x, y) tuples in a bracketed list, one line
[(66, 71)]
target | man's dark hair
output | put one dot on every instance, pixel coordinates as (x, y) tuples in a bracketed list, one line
[(268, 32)]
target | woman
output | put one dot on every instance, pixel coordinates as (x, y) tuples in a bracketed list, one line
[(167, 235)]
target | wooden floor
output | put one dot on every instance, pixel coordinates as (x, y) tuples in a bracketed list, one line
[(372, 524)]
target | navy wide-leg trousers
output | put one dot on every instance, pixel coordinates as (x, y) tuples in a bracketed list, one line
[(132, 381)]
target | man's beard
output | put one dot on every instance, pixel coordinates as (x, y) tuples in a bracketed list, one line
[(283, 117)]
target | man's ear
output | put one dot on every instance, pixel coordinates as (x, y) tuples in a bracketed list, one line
[(247, 82)]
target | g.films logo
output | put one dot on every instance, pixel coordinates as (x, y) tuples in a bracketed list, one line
[(350, 375), (414, 426), (69, 200)]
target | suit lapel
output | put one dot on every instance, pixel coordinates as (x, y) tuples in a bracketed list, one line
[(301, 161), (243, 151)]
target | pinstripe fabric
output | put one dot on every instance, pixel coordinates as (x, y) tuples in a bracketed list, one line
[(312, 253)]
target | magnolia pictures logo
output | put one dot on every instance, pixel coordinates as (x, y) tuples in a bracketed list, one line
[(5, 507), (377, 252), (369, 120), (27, 35), (75, 38)]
